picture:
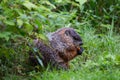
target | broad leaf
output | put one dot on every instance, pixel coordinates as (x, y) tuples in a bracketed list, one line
[(9, 22), (27, 27), (19, 22), (5, 35), (81, 2), (29, 5)]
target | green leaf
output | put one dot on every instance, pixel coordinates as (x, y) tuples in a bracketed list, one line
[(29, 5), (39, 25), (9, 22), (43, 37), (39, 60), (106, 26), (5, 35), (19, 22), (28, 27), (117, 59), (81, 2), (48, 3)]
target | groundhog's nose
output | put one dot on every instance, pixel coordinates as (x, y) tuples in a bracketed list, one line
[(80, 50)]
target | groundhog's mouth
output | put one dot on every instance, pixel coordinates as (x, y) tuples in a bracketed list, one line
[(79, 50)]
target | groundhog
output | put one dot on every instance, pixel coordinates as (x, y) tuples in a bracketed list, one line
[(64, 45)]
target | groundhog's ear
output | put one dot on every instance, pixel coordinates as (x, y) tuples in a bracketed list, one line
[(73, 34)]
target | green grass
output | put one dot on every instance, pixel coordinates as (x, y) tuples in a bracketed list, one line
[(81, 74), (100, 60)]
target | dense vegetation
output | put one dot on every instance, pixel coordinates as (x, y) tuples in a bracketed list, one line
[(97, 21)]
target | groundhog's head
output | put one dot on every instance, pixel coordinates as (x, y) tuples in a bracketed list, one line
[(67, 42), (77, 41)]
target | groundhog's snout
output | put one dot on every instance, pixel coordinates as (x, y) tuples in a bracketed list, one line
[(80, 49)]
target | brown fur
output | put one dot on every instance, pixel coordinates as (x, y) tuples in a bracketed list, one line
[(64, 46)]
